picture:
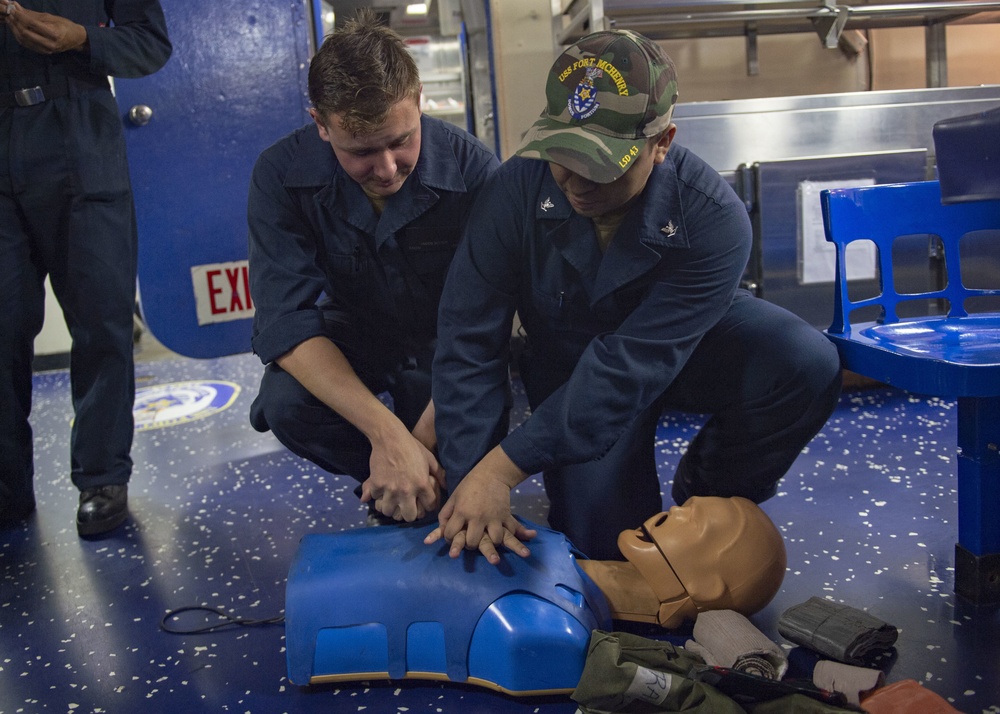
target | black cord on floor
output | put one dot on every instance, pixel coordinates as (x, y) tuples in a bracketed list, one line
[(228, 620)]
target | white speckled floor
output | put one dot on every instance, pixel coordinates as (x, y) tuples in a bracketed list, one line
[(868, 513)]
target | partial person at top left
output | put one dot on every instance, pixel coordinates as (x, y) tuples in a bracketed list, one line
[(66, 212)]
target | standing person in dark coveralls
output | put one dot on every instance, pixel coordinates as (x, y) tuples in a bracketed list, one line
[(353, 221), (66, 211), (622, 254)]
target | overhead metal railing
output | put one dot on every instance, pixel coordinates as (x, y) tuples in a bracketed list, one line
[(663, 20), (673, 20)]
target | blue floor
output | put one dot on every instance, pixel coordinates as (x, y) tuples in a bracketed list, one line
[(868, 513)]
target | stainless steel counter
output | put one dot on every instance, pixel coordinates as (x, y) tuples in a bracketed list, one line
[(731, 133), (769, 149)]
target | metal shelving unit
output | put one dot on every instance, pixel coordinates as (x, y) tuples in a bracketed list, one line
[(662, 20)]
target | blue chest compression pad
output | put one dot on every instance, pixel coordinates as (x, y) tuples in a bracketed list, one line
[(377, 603)]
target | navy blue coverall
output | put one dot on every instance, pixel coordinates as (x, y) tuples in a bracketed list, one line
[(612, 339), (66, 211), (323, 262)]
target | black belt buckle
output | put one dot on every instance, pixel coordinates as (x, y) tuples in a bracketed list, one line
[(29, 96)]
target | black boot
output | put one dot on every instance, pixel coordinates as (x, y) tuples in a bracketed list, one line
[(102, 509), (15, 514)]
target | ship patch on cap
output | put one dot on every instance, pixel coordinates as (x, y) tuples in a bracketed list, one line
[(583, 101)]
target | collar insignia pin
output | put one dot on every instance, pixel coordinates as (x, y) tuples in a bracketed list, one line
[(547, 204), (670, 229)]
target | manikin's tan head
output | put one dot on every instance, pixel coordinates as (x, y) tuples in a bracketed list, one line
[(711, 553)]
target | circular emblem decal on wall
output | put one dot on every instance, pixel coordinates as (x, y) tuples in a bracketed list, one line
[(181, 402)]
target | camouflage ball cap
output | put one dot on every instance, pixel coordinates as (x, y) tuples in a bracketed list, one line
[(605, 96)]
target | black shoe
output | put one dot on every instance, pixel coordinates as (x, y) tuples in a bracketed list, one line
[(102, 509), (15, 514), (680, 491)]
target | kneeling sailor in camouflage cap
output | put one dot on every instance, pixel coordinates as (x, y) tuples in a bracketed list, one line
[(622, 253)]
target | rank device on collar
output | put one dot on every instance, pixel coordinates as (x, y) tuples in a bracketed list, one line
[(606, 95)]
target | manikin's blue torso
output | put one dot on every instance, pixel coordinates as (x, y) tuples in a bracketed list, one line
[(377, 603)]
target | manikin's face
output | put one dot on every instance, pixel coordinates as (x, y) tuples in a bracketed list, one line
[(724, 551), (382, 160), (591, 199)]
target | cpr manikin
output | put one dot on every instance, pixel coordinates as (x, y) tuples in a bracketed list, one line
[(709, 554), (376, 603)]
